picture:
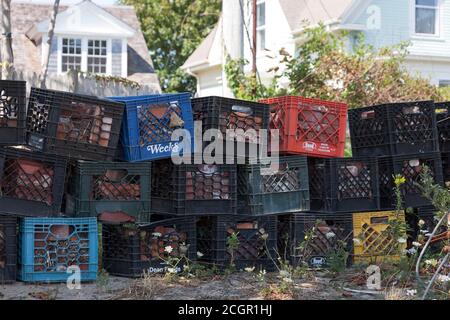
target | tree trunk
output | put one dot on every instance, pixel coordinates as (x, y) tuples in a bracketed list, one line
[(7, 52), (47, 49)]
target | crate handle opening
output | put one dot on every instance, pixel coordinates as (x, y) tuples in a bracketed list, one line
[(116, 175), (368, 114), (61, 231), (242, 109), (411, 110), (379, 220)]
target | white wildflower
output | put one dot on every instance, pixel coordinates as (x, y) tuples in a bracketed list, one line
[(199, 254), (401, 240), (168, 249), (249, 269), (421, 223), (287, 280), (411, 293), (416, 244), (157, 234), (412, 251), (443, 278)]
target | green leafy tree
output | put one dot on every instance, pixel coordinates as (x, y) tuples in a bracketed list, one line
[(173, 29)]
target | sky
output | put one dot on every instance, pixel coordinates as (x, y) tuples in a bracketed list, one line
[(68, 2)]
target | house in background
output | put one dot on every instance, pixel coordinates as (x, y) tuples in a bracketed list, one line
[(89, 38), (423, 23)]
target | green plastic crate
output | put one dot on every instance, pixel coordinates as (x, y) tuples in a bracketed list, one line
[(97, 187), (267, 189)]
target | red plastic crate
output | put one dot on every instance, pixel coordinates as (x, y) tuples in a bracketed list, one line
[(309, 126)]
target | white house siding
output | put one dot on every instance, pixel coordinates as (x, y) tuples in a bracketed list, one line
[(278, 36), (210, 82), (430, 56), (434, 70)]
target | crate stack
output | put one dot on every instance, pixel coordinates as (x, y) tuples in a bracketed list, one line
[(403, 139), (230, 230), (40, 142), (315, 130)]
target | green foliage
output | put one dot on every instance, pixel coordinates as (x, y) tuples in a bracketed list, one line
[(232, 246), (324, 68), (173, 29), (248, 87), (338, 257), (439, 196)]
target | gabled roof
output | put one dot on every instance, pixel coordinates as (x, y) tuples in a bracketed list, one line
[(27, 52), (83, 19), (313, 11), (297, 12), (202, 53)]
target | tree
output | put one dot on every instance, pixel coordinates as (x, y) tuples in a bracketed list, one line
[(324, 69), (173, 29), (7, 52), (51, 30)]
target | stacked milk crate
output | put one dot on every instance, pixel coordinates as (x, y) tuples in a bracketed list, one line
[(316, 129), (403, 139), (40, 141), (195, 207)]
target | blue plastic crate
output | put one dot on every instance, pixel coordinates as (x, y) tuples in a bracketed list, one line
[(149, 122), (48, 246)]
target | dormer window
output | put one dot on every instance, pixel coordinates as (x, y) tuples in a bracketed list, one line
[(86, 55), (97, 56), (71, 54), (86, 38)]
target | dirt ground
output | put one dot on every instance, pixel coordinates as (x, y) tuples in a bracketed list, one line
[(238, 286)]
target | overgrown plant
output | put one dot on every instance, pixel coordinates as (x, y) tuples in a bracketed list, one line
[(325, 68), (232, 245), (440, 198)]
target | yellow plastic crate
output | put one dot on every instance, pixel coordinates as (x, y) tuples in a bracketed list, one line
[(374, 244)]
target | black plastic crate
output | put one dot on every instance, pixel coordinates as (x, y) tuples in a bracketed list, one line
[(343, 184), (443, 125), (274, 188), (190, 189), (8, 248), (410, 167), (230, 114), (330, 233), (76, 126), (12, 112), (32, 184), (257, 238), (99, 187), (130, 250), (394, 129)]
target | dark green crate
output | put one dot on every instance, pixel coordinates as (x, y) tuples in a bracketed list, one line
[(98, 187), (263, 189)]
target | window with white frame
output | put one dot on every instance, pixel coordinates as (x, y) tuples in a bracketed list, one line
[(97, 56), (427, 17), (261, 25), (71, 54), (87, 55)]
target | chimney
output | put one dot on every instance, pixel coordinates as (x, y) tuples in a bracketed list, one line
[(233, 31)]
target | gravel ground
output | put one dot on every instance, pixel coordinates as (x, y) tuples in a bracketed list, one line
[(239, 286)]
